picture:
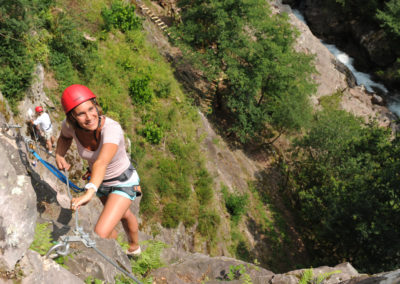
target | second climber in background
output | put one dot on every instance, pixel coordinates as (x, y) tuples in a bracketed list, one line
[(100, 141), (44, 126)]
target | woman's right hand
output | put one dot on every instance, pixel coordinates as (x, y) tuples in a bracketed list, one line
[(62, 164)]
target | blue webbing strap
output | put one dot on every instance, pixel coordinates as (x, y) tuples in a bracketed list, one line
[(56, 172)]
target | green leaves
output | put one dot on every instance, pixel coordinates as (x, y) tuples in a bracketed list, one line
[(264, 80), (120, 16), (390, 17), (139, 89), (345, 179)]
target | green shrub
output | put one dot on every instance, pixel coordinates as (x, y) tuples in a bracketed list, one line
[(152, 132), (120, 16), (235, 204), (139, 90), (42, 240)]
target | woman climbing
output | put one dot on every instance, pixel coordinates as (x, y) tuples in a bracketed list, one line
[(100, 141)]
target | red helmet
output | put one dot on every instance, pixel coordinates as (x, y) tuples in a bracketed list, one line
[(74, 95), (38, 109)]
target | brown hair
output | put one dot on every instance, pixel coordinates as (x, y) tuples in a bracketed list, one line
[(72, 121)]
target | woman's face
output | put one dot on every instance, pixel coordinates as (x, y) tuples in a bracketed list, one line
[(86, 115)]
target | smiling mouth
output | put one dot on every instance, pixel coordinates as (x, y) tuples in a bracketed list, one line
[(91, 123)]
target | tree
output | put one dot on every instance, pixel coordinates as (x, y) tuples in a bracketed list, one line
[(20, 21), (266, 81), (346, 190), (390, 17), (16, 66)]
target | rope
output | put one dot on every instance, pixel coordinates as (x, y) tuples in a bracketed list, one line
[(80, 235), (56, 172)]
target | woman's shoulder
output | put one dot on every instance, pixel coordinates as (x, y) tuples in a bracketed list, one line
[(111, 124)]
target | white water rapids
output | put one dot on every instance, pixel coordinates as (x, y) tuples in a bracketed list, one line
[(361, 78)]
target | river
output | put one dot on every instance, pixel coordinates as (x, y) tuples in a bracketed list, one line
[(361, 78)]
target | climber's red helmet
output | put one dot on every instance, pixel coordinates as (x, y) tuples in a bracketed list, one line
[(74, 95), (38, 109)]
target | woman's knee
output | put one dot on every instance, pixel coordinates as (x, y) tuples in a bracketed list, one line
[(102, 232), (128, 215)]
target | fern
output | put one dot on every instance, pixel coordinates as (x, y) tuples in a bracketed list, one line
[(308, 277), (149, 259), (42, 241), (326, 275)]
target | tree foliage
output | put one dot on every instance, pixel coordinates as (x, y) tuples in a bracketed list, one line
[(250, 51), (120, 16), (390, 17), (17, 19), (346, 190)]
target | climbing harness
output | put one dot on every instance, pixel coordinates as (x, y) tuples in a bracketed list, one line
[(62, 248)]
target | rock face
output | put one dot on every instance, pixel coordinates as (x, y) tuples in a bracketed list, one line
[(17, 207)]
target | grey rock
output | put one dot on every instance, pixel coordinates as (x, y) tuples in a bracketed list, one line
[(17, 209), (392, 277), (41, 270), (195, 268), (89, 262)]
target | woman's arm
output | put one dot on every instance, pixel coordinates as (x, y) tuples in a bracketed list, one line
[(63, 144), (106, 154)]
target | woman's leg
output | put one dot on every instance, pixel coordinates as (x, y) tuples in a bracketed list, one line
[(114, 233), (131, 228), (116, 208)]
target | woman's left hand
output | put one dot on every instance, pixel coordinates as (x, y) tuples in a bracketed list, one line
[(81, 200)]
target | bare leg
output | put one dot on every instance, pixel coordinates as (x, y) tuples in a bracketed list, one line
[(49, 145), (114, 233), (131, 227), (116, 208)]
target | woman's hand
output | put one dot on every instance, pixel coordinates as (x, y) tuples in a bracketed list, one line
[(63, 144), (82, 200), (62, 164)]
